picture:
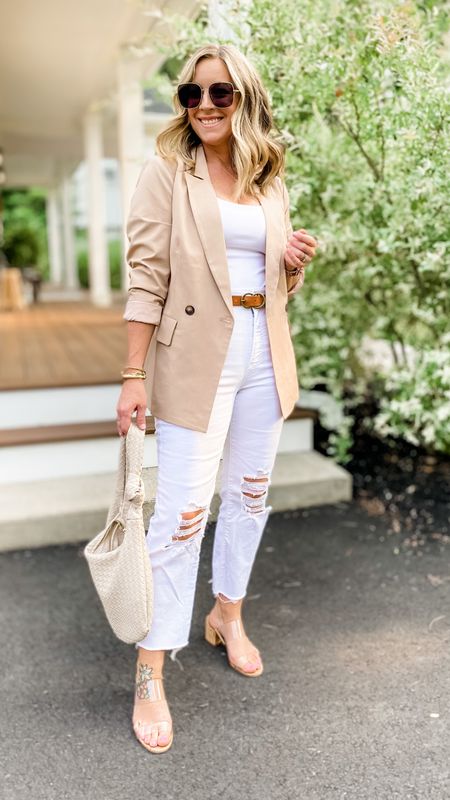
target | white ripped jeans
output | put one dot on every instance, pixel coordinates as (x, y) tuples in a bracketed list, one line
[(245, 428)]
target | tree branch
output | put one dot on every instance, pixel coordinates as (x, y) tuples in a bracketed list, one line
[(353, 135), (381, 138)]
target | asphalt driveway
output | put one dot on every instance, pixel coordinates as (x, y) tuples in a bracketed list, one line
[(354, 630)]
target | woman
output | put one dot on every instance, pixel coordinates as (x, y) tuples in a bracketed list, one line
[(213, 261)]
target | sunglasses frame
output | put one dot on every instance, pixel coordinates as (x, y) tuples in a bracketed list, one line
[(203, 90)]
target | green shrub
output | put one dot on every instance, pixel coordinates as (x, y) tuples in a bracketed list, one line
[(115, 262), (114, 257), (416, 405), (21, 247), (24, 228)]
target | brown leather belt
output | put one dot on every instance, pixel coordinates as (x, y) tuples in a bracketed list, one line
[(249, 300)]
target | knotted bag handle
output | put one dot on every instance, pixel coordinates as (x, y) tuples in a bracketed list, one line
[(129, 486)]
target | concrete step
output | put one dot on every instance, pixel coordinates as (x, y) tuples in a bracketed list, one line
[(57, 405), (72, 509)]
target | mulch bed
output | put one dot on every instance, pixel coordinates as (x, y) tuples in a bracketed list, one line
[(406, 485)]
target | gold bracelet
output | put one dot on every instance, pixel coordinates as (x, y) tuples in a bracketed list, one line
[(135, 369), (137, 373)]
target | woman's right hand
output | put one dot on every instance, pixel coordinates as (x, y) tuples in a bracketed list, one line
[(133, 397)]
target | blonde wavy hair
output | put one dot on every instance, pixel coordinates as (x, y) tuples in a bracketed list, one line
[(257, 154)]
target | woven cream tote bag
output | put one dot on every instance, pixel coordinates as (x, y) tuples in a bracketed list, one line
[(118, 558)]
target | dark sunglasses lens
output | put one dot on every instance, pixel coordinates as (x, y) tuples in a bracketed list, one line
[(189, 95), (221, 94)]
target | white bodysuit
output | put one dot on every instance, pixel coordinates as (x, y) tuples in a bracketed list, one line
[(244, 228)]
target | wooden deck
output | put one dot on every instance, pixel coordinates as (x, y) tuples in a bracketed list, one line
[(61, 344)]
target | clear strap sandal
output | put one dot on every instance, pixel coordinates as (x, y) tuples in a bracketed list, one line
[(233, 631), (150, 690)]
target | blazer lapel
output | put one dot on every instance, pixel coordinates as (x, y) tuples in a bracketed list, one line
[(274, 238), (205, 209)]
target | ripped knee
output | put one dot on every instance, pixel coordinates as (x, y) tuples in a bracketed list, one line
[(190, 523), (254, 492)]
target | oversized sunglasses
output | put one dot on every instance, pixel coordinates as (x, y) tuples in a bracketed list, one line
[(221, 94)]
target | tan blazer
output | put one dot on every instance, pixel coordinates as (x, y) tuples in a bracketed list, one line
[(180, 282)]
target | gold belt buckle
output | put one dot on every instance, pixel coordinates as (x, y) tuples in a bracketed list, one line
[(253, 294)]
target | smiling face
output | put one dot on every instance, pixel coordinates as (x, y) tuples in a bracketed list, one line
[(212, 125)]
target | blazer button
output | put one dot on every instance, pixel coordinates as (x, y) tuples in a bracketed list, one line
[(190, 310)]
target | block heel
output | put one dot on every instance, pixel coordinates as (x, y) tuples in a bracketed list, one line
[(211, 635)]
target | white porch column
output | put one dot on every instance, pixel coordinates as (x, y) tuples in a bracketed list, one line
[(54, 237), (70, 265), (131, 139), (99, 280)]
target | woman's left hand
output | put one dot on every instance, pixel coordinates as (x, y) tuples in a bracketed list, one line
[(300, 249)]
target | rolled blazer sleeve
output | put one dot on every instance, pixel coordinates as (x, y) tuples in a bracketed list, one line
[(149, 229), (294, 282)]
